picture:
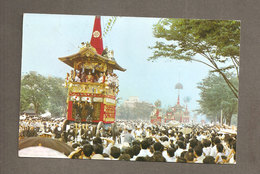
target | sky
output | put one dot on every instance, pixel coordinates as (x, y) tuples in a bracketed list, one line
[(46, 37)]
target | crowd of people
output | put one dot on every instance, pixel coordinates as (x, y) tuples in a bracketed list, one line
[(139, 141), (110, 79)]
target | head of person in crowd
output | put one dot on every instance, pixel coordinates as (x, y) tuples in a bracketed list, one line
[(171, 152), (227, 138), (181, 160), (98, 149), (193, 142), (97, 140), (136, 142), (181, 145), (129, 151), (216, 140), (105, 155), (150, 141), (181, 138), (145, 144), (149, 159), (198, 151), (140, 158), (209, 160), (158, 146), (136, 150), (125, 157), (220, 148), (189, 156), (88, 150), (153, 133), (206, 143), (115, 152), (158, 157), (129, 130)]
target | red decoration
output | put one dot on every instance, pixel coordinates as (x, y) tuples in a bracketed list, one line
[(69, 112), (96, 39)]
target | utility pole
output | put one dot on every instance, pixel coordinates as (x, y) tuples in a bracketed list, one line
[(221, 117)]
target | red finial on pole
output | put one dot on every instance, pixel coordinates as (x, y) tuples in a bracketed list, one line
[(96, 39)]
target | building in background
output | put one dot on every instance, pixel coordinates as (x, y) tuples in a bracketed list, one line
[(131, 101)]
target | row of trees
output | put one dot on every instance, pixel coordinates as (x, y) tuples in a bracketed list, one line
[(43, 93), (216, 97), (140, 110)]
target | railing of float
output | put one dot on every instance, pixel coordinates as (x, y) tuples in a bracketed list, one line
[(91, 88)]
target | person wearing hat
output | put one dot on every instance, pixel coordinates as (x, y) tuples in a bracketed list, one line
[(129, 138), (138, 132)]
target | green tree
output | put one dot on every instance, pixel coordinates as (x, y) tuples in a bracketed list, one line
[(34, 89), (216, 41), (44, 93), (215, 95), (140, 110), (57, 96)]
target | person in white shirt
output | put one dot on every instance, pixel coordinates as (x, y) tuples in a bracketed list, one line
[(214, 151), (206, 147), (181, 148), (138, 132), (145, 149), (170, 155), (108, 79), (77, 78), (220, 149), (198, 154), (136, 151), (101, 78), (110, 143)]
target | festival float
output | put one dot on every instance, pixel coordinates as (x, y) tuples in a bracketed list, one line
[(178, 112), (92, 84), (156, 116), (175, 114)]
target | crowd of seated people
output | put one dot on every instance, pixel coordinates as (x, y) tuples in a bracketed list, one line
[(140, 141), (162, 144)]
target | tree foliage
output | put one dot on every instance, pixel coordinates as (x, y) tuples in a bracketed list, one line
[(43, 93), (57, 96), (217, 41), (109, 25), (215, 95), (34, 91), (140, 110)]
